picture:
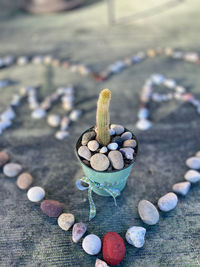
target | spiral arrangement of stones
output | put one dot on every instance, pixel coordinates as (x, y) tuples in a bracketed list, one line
[(65, 95), (147, 95), (119, 153)]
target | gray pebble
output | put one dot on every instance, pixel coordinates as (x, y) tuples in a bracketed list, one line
[(112, 146), (84, 152), (168, 202), (87, 137), (78, 231), (36, 194), (192, 176), (193, 163), (135, 236), (116, 159), (126, 136), (181, 188), (92, 244), (103, 150), (130, 143), (128, 152), (99, 162), (119, 129), (93, 145), (148, 212), (12, 169)]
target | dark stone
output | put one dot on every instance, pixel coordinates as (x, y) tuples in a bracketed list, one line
[(118, 140), (51, 208)]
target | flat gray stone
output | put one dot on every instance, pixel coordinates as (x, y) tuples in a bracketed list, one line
[(148, 212)]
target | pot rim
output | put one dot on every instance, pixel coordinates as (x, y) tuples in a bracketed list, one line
[(114, 171)]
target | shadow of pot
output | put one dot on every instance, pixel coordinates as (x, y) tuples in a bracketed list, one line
[(115, 179)]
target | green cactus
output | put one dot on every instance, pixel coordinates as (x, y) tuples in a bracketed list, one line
[(103, 117)]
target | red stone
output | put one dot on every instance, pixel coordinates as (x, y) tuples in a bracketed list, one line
[(51, 208), (113, 248)]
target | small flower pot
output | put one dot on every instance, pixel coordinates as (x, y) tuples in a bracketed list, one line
[(115, 179)]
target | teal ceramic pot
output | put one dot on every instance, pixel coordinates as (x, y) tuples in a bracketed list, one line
[(116, 179)]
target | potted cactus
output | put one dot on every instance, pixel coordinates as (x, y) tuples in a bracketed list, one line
[(107, 153)]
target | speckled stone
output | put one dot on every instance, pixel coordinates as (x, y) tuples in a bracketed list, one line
[(4, 158), (126, 136), (135, 236), (130, 143), (148, 212), (51, 208), (192, 176), (193, 163), (12, 169), (65, 221), (168, 202), (78, 231), (84, 152), (91, 244), (36, 194), (24, 180), (119, 129), (116, 159), (181, 188), (99, 162), (100, 263), (87, 137), (93, 145)]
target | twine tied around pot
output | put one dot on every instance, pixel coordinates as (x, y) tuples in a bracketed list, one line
[(92, 184)]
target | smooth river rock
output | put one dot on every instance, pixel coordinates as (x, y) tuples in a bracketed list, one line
[(192, 176), (51, 208), (91, 244), (126, 136), (84, 152), (12, 169), (112, 146), (148, 212), (119, 129), (93, 145), (65, 221), (24, 180), (36, 194), (4, 158), (193, 163), (100, 162), (100, 263), (135, 236), (87, 137), (181, 188), (116, 159), (53, 120), (78, 231), (130, 143), (168, 202)]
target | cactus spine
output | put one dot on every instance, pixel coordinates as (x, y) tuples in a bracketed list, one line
[(103, 117)]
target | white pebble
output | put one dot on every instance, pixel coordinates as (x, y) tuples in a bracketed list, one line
[(143, 125), (38, 113), (192, 176), (148, 212), (193, 163), (53, 120), (103, 150), (75, 115), (91, 244), (12, 169), (181, 188), (143, 113), (112, 132), (128, 152), (135, 236), (60, 135), (168, 202), (93, 145), (113, 146), (119, 129), (36, 194)]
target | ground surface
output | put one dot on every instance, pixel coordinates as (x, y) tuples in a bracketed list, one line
[(29, 238)]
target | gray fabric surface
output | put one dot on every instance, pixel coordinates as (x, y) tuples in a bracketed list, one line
[(28, 237)]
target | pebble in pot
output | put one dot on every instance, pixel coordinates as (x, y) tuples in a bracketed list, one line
[(53, 120), (12, 169), (181, 188), (51, 208), (113, 146), (99, 162), (92, 244), (119, 129), (87, 137), (103, 150), (93, 145), (135, 236), (78, 231), (65, 221), (4, 158), (148, 212), (118, 140), (128, 152), (24, 181), (100, 263), (192, 176), (113, 248), (168, 202), (126, 136), (36, 194), (84, 152), (193, 163), (116, 159), (130, 143)]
